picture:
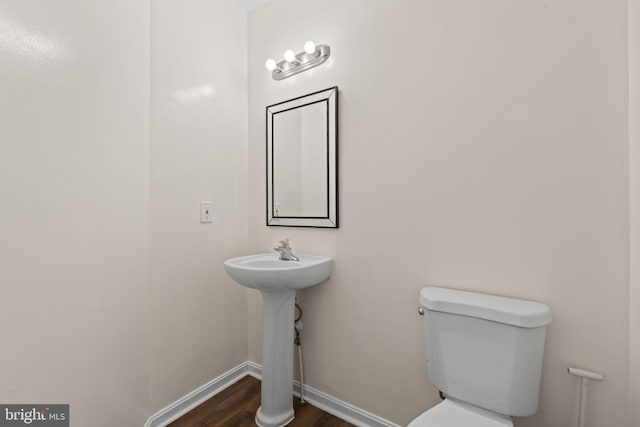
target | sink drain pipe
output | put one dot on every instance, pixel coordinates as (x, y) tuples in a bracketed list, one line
[(297, 327), (584, 376)]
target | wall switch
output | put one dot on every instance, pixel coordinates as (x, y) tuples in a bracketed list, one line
[(206, 211)]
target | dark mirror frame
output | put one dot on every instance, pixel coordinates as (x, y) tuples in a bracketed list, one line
[(330, 220)]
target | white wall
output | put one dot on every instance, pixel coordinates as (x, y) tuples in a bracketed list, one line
[(198, 317), (634, 211), (74, 103), (483, 146), (114, 296)]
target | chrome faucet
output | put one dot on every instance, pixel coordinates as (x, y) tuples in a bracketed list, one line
[(285, 251)]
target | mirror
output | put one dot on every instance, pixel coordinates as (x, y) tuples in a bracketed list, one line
[(302, 160)]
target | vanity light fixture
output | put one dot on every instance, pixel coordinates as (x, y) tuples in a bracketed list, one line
[(312, 56)]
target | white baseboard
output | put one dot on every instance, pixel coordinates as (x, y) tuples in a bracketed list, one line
[(198, 396), (341, 409), (317, 398)]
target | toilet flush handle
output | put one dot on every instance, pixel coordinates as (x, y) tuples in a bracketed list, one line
[(421, 310)]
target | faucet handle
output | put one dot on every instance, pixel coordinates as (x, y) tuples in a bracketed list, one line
[(284, 243)]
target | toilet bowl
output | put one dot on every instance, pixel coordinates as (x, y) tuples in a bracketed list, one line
[(484, 353), (452, 413)]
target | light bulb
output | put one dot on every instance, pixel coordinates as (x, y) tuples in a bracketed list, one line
[(310, 47), (289, 56), (270, 64)]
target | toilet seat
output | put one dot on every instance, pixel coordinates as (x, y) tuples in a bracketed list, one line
[(452, 413)]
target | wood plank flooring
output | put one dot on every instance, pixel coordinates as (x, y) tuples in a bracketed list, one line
[(237, 405)]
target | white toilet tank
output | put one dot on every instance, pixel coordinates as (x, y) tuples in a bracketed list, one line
[(484, 349)]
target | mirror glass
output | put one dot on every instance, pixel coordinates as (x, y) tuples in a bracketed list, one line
[(302, 161)]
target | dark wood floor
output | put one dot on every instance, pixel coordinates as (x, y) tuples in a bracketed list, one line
[(237, 405)]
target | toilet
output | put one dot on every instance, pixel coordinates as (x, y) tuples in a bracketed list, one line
[(484, 353)]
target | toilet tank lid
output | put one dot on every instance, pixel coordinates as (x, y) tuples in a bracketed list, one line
[(510, 311)]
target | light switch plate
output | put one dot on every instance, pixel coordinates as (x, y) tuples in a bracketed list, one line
[(206, 211)]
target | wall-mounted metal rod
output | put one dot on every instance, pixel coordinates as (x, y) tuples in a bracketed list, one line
[(584, 376)]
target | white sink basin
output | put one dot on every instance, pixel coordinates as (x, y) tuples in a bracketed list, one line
[(268, 273)]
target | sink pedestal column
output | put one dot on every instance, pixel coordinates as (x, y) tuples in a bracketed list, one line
[(276, 409)]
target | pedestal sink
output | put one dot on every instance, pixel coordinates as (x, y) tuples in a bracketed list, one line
[(278, 280)]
